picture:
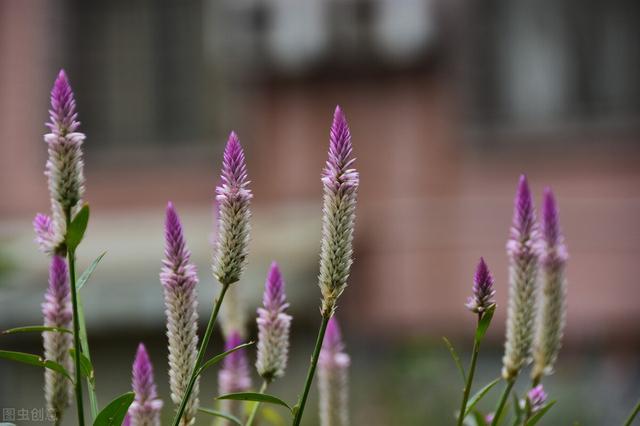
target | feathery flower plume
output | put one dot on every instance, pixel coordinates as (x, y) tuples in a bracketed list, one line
[(57, 313), (233, 198), (234, 376), (523, 271), (64, 168), (483, 291), (553, 260), (333, 383), (537, 398), (179, 280), (145, 409), (340, 183), (273, 328)]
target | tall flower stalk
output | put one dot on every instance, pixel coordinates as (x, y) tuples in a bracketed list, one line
[(340, 182), (333, 385), (273, 333), (65, 177), (551, 321), (523, 272), (179, 279), (145, 409), (57, 312), (482, 303), (232, 240)]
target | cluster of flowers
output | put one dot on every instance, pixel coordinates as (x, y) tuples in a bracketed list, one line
[(179, 280)]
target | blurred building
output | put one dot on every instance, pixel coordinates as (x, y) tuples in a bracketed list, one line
[(448, 102)]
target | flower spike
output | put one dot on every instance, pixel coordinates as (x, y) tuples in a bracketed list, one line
[(333, 367), (483, 291), (145, 409), (340, 182), (233, 197), (553, 260), (179, 279), (273, 328), (523, 271), (57, 313)]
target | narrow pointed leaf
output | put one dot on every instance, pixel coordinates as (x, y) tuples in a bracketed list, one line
[(484, 323), (77, 228), (220, 414), (536, 418), (36, 360), (517, 408), (479, 395), (456, 359), (36, 329), (216, 359), (84, 345), (479, 418), (89, 271), (254, 396), (113, 414)]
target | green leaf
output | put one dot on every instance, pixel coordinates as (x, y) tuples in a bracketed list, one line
[(84, 344), (77, 227), (89, 271), (254, 396), (479, 395), (484, 323), (217, 413), (36, 328), (479, 418), (517, 408), (216, 359), (456, 359), (36, 360), (113, 414), (536, 418), (86, 368)]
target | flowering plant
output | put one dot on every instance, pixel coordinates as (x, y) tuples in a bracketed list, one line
[(535, 313)]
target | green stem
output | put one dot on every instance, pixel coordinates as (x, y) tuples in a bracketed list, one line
[(201, 353), (503, 401), (472, 370), (633, 414), (71, 258), (84, 343), (256, 404), (312, 370)]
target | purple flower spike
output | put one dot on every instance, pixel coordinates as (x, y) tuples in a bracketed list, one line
[(553, 260), (62, 114), (179, 279), (57, 312), (483, 291), (340, 182), (145, 409), (233, 197), (64, 168), (523, 272), (537, 398), (273, 328), (234, 376), (333, 383)]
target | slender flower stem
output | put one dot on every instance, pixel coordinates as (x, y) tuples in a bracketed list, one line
[(71, 258), (201, 352), (256, 405), (633, 415), (503, 401), (312, 370), (472, 370)]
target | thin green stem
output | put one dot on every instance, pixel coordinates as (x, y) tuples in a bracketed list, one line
[(256, 404), (472, 370), (71, 258), (503, 401), (84, 343), (633, 414), (201, 353), (312, 370)]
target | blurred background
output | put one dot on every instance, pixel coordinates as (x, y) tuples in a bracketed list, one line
[(448, 102)]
